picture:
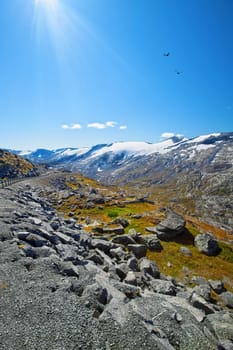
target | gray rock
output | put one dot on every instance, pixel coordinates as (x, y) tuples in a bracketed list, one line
[(132, 263), (122, 270), (225, 345), (172, 226), (121, 221), (103, 245), (118, 253), (139, 250), (35, 240), (124, 239), (68, 269), (63, 238), (203, 290), (96, 258), (207, 244), (185, 251), (117, 230), (217, 286), (154, 244), (131, 278), (68, 252), (163, 287), (149, 267), (227, 298), (200, 303), (220, 324), (55, 224)]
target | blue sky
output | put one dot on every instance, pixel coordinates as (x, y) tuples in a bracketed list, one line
[(76, 73)]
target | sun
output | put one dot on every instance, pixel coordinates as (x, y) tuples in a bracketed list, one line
[(47, 3)]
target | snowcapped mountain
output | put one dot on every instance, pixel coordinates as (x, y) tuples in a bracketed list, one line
[(197, 172)]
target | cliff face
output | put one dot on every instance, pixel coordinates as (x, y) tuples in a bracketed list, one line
[(12, 166), (63, 288)]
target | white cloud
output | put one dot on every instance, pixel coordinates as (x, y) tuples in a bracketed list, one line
[(123, 127), (167, 135), (72, 126), (97, 125), (111, 124)]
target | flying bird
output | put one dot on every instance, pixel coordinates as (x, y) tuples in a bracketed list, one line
[(166, 54), (178, 72)]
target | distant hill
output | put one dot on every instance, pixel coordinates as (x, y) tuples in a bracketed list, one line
[(12, 166)]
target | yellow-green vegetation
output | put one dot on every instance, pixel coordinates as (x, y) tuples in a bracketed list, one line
[(170, 260)]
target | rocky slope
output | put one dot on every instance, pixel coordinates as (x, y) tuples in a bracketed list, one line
[(12, 166), (63, 288)]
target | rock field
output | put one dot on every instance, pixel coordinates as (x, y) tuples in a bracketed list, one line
[(63, 289)]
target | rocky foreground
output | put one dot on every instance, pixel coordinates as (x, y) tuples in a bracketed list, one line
[(61, 288)]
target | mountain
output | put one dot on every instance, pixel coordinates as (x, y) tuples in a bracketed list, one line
[(195, 175)]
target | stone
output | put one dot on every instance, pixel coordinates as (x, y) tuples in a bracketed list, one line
[(35, 240), (221, 323), (163, 287), (139, 250), (96, 258), (132, 263), (122, 270), (121, 221), (68, 269), (63, 237), (154, 244), (172, 226), (124, 239), (217, 286), (200, 303), (55, 224), (118, 253), (149, 267), (227, 298), (131, 278), (103, 245), (203, 290), (225, 345), (116, 230), (185, 251), (206, 243)]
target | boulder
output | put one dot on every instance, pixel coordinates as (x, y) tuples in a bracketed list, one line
[(163, 287), (139, 250), (103, 245), (118, 253), (207, 244), (154, 244), (217, 286), (149, 267), (227, 298), (132, 263), (131, 278), (116, 230), (203, 290), (124, 239), (172, 226), (121, 221)]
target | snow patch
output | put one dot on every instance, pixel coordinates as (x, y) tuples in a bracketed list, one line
[(202, 138), (135, 148)]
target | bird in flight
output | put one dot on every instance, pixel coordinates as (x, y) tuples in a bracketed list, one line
[(166, 54), (178, 72)]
